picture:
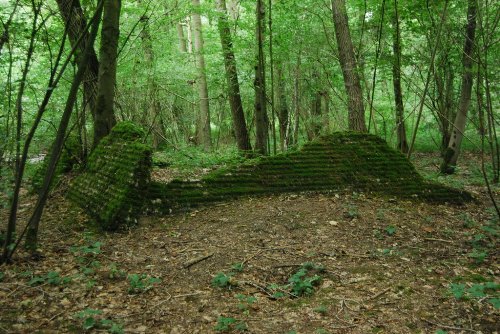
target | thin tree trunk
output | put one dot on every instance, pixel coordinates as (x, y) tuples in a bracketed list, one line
[(182, 39), (152, 110), (348, 64), (396, 79), (261, 119), (451, 155), (72, 14), (4, 37), (203, 132), (104, 112), (238, 116), (34, 222), (20, 160), (283, 112)]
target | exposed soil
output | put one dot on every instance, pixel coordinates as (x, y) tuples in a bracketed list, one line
[(388, 265)]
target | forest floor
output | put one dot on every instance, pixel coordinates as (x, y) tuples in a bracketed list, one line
[(296, 263)]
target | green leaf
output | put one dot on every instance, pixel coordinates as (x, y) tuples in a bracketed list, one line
[(89, 323), (495, 302), (457, 290)]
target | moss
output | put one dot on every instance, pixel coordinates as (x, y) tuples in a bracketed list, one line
[(115, 182), (340, 161)]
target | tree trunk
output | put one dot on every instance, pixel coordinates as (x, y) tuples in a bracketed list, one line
[(261, 119), (451, 155), (104, 111), (203, 131), (396, 80), (72, 14), (348, 64), (283, 112), (239, 123), (33, 224), (151, 113), (182, 39)]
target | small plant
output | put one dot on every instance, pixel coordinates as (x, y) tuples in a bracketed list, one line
[(52, 278), (228, 324), (303, 284), (90, 320), (238, 267), (93, 249), (390, 230), (245, 302), (114, 272), (141, 283), (488, 290), (222, 280), (478, 255), (352, 211)]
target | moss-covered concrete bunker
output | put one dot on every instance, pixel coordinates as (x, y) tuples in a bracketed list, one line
[(114, 185), (348, 160)]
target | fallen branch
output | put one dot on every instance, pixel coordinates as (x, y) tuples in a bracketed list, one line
[(196, 260), (383, 292), (449, 327)]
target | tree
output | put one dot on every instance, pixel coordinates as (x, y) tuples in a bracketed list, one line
[(402, 143), (238, 116), (261, 119), (203, 129), (451, 154), (104, 116), (349, 68), (74, 19)]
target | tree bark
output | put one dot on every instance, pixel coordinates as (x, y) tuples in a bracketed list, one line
[(348, 64), (239, 123), (182, 39), (203, 131), (451, 155), (72, 14), (283, 112), (261, 119), (396, 80), (104, 111)]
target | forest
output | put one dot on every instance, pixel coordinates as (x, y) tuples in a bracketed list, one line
[(259, 166)]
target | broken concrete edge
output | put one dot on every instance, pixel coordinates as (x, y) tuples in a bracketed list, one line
[(114, 184), (344, 160)]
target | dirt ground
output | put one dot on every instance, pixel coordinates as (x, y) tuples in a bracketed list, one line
[(373, 265)]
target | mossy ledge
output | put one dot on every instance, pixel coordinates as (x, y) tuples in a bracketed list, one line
[(337, 162), (115, 182)]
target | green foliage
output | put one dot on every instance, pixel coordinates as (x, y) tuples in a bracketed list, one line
[(238, 267), (51, 278), (488, 290), (390, 230), (87, 250), (303, 284), (245, 302), (141, 282), (90, 319), (114, 272), (222, 280), (229, 324)]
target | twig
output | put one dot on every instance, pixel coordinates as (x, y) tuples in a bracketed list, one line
[(449, 327), (189, 294), (375, 296), (439, 240), (197, 260), (252, 256)]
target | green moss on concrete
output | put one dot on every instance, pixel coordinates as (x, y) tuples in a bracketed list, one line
[(115, 182), (336, 162)]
